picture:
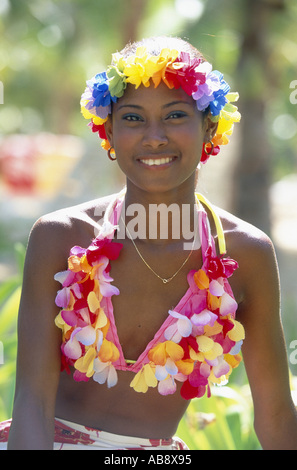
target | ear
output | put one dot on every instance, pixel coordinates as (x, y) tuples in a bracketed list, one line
[(109, 130), (210, 128)]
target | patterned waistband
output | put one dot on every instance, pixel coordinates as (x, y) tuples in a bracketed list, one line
[(70, 435)]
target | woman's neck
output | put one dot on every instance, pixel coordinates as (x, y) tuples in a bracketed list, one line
[(160, 218)]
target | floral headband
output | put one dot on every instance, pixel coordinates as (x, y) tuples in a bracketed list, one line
[(176, 69)]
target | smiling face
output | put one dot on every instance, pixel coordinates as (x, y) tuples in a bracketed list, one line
[(157, 134)]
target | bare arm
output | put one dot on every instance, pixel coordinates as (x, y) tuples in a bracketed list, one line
[(38, 362), (264, 349)]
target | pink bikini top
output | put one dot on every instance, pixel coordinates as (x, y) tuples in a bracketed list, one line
[(197, 344)]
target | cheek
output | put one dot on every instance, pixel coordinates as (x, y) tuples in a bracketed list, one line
[(193, 139), (123, 139)]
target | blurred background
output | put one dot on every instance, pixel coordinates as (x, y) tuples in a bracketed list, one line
[(49, 158)]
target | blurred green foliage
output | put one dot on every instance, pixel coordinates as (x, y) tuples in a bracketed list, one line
[(10, 294), (222, 422)]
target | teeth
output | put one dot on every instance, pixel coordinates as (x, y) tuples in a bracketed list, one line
[(157, 161)]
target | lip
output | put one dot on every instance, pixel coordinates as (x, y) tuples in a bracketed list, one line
[(156, 161)]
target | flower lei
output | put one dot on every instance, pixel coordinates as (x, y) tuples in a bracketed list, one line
[(208, 88), (82, 319), (201, 346)]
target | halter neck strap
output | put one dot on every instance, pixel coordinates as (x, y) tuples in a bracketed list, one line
[(218, 224)]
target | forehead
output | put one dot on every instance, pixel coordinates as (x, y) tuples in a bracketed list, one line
[(148, 96)]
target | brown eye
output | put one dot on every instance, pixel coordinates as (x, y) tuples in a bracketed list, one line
[(132, 117), (177, 115)]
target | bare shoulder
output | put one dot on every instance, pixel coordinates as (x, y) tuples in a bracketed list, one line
[(55, 233), (74, 218), (242, 237), (70, 217), (254, 251)]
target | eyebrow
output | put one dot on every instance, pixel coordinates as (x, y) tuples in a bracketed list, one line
[(165, 106), (173, 103)]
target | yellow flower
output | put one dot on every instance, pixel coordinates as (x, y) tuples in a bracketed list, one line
[(141, 67), (101, 320), (85, 363), (208, 349), (162, 351), (228, 116), (237, 333), (119, 61), (185, 367), (233, 360), (108, 352), (213, 330), (165, 60), (213, 301), (201, 279), (223, 380), (105, 144), (93, 302), (144, 379), (60, 323), (77, 264), (225, 126), (84, 111)]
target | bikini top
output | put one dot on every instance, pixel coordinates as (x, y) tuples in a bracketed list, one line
[(198, 343)]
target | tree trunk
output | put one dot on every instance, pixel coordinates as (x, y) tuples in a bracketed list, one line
[(255, 77), (135, 13)]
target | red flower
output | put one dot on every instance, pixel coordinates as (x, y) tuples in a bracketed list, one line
[(85, 288), (103, 247), (219, 267), (188, 391), (186, 76), (186, 343), (100, 129), (205, 156)]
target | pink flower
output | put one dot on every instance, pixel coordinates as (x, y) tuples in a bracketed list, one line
[(63, 297), (100, 273), (105, 372), (180, 329)]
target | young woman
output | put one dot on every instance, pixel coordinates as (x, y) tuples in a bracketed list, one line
[(147, 317)]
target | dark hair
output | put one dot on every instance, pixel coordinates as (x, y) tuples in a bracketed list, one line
[(154, 45)]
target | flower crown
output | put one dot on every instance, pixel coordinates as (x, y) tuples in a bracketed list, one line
[(176, 69)]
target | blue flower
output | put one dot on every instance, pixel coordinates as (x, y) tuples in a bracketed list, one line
[(101, 92), (219, 100)]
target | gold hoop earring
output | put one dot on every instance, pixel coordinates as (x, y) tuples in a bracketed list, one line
[(206, 149), (111, 152)]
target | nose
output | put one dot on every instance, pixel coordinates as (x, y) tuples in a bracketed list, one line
[(154, 135)]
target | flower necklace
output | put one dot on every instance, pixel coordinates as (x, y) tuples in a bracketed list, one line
[(199, 345), (163, 279)]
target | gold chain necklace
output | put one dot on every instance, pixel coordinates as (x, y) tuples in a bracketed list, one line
[(163, 279)]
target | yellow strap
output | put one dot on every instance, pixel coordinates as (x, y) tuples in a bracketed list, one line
[(218, 223)]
